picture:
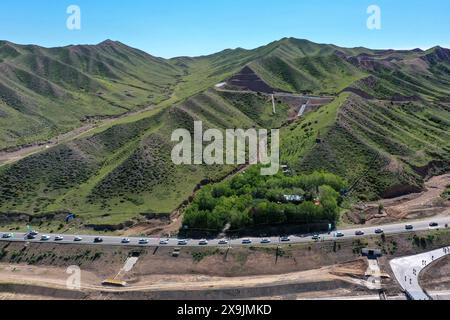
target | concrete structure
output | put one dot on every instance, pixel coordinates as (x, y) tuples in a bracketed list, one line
[(407, 271)]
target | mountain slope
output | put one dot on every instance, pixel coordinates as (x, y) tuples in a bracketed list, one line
[(388, 148), (126, 169), (389, 122), (44, 92)]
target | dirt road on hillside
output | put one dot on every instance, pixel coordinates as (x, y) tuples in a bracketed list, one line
[(8, 157)]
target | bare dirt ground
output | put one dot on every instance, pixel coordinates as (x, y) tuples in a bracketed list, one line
[(50, 282), (437, 276), (307, 271), (315, 271), (414, 206)]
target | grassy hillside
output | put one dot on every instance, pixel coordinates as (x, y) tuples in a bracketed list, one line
[(389, 123), (126, 169), (44, 92), (393, 146)]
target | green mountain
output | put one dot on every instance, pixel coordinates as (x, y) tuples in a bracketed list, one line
[(389, 122), (44, 92)]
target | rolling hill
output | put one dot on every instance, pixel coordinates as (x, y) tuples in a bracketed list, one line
[(44, 92), (389, 122)]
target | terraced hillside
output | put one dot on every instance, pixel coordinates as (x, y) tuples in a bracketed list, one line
[(389, 122), (126, 169), (44, 92), (388, 148)]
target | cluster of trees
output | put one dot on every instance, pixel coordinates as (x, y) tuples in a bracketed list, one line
[(250, 200)]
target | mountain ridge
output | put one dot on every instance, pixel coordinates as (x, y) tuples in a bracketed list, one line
[(386, 102)]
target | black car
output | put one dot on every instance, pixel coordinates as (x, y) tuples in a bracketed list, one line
[(31, 236), (98, 240), (379, 231), (434, 224), (409, 227)]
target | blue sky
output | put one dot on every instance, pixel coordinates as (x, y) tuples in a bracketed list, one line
[(171, 28)]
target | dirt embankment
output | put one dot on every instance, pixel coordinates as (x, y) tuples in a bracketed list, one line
[(248, 80), (437, 276), (312, 270), (414, 206)]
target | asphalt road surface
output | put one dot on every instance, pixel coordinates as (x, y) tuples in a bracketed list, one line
[(422, 225), (407, 271)]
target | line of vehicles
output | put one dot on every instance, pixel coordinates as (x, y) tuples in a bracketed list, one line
[(33, 235)]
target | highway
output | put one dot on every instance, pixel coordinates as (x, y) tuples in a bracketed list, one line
[(398, 228)]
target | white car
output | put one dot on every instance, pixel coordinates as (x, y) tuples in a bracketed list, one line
[(266, 241), (203, 242), (45, 238), (125, 240), (143, 241), (339, 235), (78, 239), (7, 236), (182, 242), (164, 242), (59, 238), (246, 241), (223, 242)]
